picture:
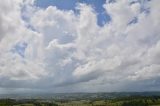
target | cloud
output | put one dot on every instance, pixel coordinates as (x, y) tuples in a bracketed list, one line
[(62, 50), (13, 65)]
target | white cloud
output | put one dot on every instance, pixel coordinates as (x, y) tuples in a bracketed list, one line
[(65, 50), (13, 31)]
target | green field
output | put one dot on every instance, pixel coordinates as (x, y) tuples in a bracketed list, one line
[(119, 101)]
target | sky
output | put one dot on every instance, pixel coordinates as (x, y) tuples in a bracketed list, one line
[(79, 46)]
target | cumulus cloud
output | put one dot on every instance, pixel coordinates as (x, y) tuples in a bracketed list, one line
[(61, 50)]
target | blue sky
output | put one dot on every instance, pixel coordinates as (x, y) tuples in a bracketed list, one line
[(19, 48), (102, 16)]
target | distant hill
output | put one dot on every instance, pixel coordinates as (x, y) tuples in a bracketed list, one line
[(78, 96)]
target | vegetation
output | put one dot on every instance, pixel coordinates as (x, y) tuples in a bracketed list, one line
[(119, 101)]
